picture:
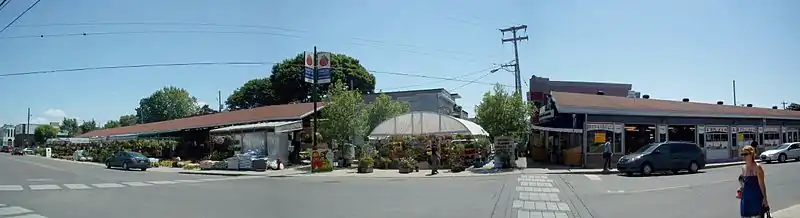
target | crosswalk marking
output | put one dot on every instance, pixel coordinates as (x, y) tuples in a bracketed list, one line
[(136, 184), (29, 216), (162, 182), (108, 185), (11, 188), (532, 196), (539, 198), (44, 187), (537, 189), (77, 186), (593, 177), (5, 211), (187, 181)]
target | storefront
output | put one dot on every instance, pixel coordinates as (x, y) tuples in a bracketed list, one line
[(770, 137), (716, 141), (790, 134), (597, 134)]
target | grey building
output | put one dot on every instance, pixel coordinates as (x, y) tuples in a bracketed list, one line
[(8, 135), (433, 100)]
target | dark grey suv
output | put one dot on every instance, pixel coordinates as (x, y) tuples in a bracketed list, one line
[(663, 156)]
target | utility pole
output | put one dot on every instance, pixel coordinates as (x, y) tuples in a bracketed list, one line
[(784, 104), (514, 39), (734, 92), (219, 100), (28, 124)]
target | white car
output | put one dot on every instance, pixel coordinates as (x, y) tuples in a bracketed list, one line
[(782, 153)]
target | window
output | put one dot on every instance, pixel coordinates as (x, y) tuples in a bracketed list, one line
[(675, 148)]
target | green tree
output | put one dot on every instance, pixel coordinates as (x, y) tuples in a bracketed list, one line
[(70, 126), (205, 110), (502, 114), (343, 115), (88, 126), (382, 109), (286, 84), (128, 120), (44, 132), (166, 104), (793, 106), (111, 124)]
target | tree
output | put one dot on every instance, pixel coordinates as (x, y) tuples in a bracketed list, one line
[(166, 104), (88, 126), (502, 114), (205, 110), (128, 120), (286, 84), (382, 109), (343, 115), (111, 124), (44, 132), (70, 126), (254, 93), (794, 107)]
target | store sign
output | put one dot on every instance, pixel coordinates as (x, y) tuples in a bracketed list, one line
[(600, 126), (772, 129), (718, 129), (749, 129), (662, 129), (600, 137)]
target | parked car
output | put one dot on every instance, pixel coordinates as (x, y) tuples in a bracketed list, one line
[(18, 151), (127, 160), (782, 153), (663, 156), (5, 149)]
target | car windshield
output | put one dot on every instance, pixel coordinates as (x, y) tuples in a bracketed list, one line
[(647, 148), (784, 146), (136, 154)]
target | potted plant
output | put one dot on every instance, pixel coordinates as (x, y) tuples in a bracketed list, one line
[(406, 165), (365, 165), (456, 159)]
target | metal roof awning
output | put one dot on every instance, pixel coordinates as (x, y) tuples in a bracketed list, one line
[(550, 129), (279, 126)]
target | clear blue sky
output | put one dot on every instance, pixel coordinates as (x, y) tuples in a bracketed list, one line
[(668, 49)]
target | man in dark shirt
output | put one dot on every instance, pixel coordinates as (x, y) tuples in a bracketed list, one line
[(435, 157)]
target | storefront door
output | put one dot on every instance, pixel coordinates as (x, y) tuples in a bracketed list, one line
[(717, 140), (663, 133)]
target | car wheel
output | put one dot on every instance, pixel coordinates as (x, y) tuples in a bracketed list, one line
[(143, 169), (782, 158), (647, 169), (693, 167), (108, 165), (125, 166)]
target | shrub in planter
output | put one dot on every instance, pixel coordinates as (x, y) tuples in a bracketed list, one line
[(406, 165), (365, 165)]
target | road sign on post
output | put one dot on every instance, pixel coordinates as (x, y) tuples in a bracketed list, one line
[(308, 70), (324, 67)]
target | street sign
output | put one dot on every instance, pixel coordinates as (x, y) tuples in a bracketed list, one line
[(308, 70), (323, 67)]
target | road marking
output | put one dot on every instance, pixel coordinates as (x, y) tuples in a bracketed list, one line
[(28, 216), (11, 188), (593, 177), (39, 180), (532, 196), (536, 189), (162, 182), (44, 187), (669, 188), (136, 184), (39, 165), (188, 181), (5, 211), (77, 186), (787, 212), (108, 185), (2, 205)]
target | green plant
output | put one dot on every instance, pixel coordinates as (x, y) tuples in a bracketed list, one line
[(407, 163), (366, 162)]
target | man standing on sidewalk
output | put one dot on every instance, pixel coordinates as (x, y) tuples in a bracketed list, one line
[(607, 155)]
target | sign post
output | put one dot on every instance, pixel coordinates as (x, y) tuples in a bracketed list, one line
[(317, 70), (505, 146)]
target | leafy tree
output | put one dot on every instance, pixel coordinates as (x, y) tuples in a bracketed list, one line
[(502, 114), (794, 107), (166, 104), (111, 124), (205, 110), (128, 120), (44, 132), (88, 126), (286, 83), (382, 109), (70, 126), (343, 115)]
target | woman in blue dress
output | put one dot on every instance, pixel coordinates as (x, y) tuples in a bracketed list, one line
[(754, 199)]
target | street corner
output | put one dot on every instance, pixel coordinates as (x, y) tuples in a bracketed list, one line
[(543, 195)]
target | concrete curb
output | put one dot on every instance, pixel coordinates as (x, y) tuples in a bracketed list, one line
[(579, 171), (366, 176)]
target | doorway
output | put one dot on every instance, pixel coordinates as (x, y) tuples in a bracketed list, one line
[(684, 133), (638, 135)]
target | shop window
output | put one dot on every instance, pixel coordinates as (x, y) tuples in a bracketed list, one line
[(596, 139), (717, 140)]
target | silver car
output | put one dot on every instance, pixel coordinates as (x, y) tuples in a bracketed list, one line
[(782, 153)]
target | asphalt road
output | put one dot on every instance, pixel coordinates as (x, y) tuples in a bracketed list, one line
[(111, 193), (709, 194)]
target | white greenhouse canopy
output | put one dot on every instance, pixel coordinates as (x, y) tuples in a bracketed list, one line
[(425, 123)]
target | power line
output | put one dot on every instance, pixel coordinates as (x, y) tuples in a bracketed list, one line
[(435, 82), (473, 81), (19, 16), (4, 3)]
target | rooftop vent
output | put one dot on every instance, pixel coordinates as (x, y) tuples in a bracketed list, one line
[(601, 93), (774, 107), (646, 96), (685, 100), (749, 105), (720, 102)]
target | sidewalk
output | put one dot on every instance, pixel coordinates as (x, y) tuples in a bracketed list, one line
[(614, 171), (791, 212), (376, 173)]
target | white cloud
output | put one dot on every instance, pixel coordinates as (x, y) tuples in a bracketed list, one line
[(40, 120), (55, 113), (201, 103)]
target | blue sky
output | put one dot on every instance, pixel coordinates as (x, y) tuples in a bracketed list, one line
[(668, 49)]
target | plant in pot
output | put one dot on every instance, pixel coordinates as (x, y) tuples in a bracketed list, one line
[(456, 159), (406, 165), (365, 165)]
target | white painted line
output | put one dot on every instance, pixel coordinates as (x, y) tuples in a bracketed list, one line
[(28, 216), (11, 188), (44, 187), (108, 185), (787, 212), (162, 182), (187, 181), (593, 177), (136, 184), (212, 179), (5, 211), (516, 204), (77, 186), (523, 214), (669, 188), (39, 180)]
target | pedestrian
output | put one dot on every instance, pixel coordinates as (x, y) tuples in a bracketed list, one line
[(607, 155), (435, 156), (753, 202), (754, 144)]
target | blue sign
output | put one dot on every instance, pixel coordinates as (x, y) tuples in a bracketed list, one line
[(308, 75), (324, 75)]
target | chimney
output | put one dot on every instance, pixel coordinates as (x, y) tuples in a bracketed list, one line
[(774, 107), (646, 96), (600, 92), (749, 105), (685, 100), (720, 102)]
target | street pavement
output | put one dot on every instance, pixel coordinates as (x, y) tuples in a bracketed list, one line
[(710, 193)]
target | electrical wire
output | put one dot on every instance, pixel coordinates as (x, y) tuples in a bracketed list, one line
[(436, 82), (472, 82), (148, 32), (19, 16), (4, 3)]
